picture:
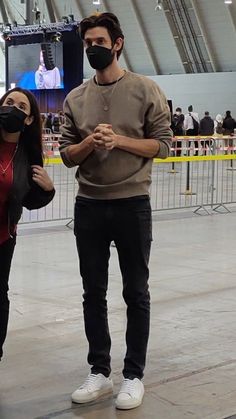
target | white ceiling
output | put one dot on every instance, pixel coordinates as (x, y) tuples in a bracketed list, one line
[(151, 44)]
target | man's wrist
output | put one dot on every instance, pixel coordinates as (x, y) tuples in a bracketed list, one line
[(89, 141), (118, 141)]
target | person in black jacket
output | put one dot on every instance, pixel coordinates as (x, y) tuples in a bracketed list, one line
[(177, 126), (23, 180), (229, 123), (206, 129)]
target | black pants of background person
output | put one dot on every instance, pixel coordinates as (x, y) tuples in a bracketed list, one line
[(128, 223), (190, 133), (6, 253)]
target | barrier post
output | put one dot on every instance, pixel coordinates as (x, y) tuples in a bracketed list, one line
[(188, 190), (231, 147), (173, 154)]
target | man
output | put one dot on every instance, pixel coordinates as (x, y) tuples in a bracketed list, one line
[(177, 126), (191, 126), (115, 124), (206, 129)]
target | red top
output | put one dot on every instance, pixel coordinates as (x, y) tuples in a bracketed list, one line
[(7, 151)]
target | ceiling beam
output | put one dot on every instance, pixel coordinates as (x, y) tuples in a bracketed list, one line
[(176, 30), (51, 11), (204, 35), (3, 11), (80, 8), (9, 12), (231, 14), (146, 37), (29, 12)]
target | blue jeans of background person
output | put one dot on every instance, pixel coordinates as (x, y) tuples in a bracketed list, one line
[(128, 223), (6, 253)]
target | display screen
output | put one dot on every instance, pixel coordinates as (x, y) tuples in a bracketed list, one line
[(36, 66)]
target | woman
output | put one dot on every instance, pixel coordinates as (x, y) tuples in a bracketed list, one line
[(228, 123), (228, 128), (23, 180)]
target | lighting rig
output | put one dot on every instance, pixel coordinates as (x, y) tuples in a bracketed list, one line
[(8, 31)]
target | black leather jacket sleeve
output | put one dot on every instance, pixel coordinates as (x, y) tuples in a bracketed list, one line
[(37, 198)]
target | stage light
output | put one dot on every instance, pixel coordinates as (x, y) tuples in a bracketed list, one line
[(159, 5), (65, 19), (228, 1), (6, 35), (97, 2), (56, 37)]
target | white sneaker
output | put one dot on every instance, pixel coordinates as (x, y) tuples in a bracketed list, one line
[(130, 394), (94, 386)]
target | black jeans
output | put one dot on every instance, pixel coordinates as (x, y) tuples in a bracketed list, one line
[(191, 132), (6, 253), (128, 223)]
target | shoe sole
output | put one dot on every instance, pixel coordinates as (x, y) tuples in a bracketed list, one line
[(101, 394), (128, 407)]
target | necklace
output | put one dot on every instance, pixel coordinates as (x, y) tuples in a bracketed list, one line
[(105, 103), (4, 170)]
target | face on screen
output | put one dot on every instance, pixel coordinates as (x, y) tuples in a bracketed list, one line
[(30, 69)]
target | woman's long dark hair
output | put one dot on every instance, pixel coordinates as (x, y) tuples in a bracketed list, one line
[(31, 137)]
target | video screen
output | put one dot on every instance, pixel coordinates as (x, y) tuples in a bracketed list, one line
[(36, 66)]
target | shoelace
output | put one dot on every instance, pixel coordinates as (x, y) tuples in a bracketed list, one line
[(89, 382), (127, 386)]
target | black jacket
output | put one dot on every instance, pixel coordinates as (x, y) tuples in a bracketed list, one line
[(24, 192), (229, 124), (177, 124), (206, 126)]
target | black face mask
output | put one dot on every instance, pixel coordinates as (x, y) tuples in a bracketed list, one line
[(99, 57), (12, 119)]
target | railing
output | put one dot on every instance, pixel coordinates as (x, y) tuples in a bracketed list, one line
[(204, 182)]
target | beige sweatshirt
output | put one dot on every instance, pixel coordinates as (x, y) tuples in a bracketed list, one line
[(137, 109)]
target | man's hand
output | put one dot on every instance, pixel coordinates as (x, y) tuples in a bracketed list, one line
[(104, 137)]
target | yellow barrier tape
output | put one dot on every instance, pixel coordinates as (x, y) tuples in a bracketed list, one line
[(58, 160), (53, 160), (197, 158), (201, 137)]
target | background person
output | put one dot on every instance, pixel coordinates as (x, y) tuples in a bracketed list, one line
[(23, 180), (177, 126), (191, 126), (115, 124), (47, 78), (229, 124), (206, 129)]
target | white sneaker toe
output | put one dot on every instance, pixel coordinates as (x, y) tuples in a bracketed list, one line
[(130, 395), (95, 386)]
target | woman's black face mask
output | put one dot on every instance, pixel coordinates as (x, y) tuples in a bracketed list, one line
[(99, 57), (12, 119)]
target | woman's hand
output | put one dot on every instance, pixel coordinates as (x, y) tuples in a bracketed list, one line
[(41, 177)]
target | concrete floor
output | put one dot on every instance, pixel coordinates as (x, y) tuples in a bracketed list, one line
[(191, 363)]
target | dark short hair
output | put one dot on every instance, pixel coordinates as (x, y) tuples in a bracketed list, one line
[(178, 110), (207, 113), (190, 108), (106, 20)]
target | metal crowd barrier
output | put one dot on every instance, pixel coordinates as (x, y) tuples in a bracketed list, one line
[(200, 174)]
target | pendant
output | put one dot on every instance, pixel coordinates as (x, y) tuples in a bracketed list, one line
[(105, 108)]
